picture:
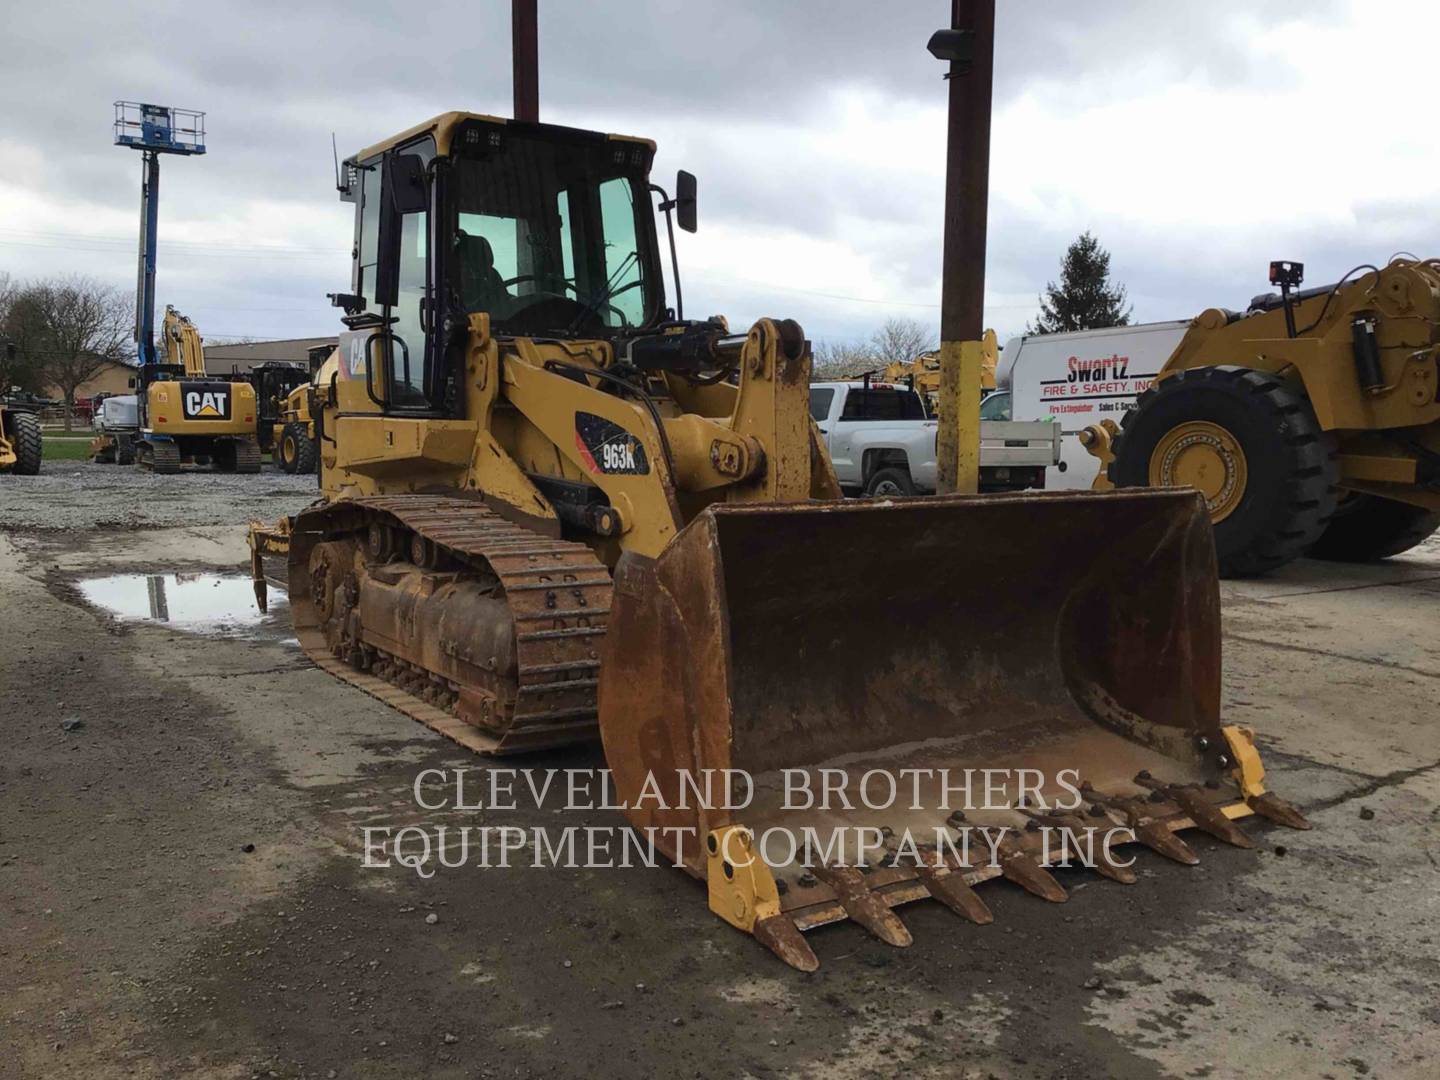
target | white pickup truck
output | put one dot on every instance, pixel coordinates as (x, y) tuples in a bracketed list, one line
[(882, 442)]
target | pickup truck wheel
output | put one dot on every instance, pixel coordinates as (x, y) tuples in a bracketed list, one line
[(887, 483)]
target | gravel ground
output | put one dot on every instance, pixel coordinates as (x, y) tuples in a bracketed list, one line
[(82, 495), (182, 888)]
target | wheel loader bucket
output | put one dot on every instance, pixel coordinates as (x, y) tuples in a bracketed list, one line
[(853, 660)]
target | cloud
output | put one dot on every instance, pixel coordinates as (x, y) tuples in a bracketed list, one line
[(1198, 141)]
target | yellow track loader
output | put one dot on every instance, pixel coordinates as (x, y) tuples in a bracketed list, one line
[(554, 508), (1311, 423)]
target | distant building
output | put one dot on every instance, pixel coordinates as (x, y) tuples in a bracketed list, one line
[(113, 378), (222, 359)]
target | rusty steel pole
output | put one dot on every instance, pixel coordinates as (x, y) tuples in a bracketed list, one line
[(525, 58), (962, 295)]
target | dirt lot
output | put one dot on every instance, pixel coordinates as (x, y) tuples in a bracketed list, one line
[(183, 894)]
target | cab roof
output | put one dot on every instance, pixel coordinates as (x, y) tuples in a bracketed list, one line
[(444, 125)]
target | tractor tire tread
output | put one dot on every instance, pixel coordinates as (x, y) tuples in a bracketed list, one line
[(29, 443), (1304, 492)]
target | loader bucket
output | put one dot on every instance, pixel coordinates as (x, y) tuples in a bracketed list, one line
[(840, 647)]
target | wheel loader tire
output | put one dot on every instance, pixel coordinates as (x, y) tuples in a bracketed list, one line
[(297, 449), (1367, 528), (1254, 449), (124, 453), (887, 483), (285, 451), (29, 446)]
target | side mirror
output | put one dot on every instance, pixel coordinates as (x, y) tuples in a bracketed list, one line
[(402, 191), (685, 200)]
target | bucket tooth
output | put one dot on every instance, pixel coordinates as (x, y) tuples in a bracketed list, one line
[(1071, 825), (1272, 807), (1207, 816), (862, 905), (1162, 841), (1024, 871), (780, 935), (955, 892), (1113, 871), (1153, 834)]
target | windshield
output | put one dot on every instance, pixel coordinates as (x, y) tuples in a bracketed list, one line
[(554, 235), (995, 407)]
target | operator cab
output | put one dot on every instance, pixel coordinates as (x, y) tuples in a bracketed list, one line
[(548, 230)]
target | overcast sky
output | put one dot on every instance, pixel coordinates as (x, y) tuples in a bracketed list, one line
[(1198, 140)]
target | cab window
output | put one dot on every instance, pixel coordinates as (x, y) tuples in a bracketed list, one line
[(624, 296), (883, 403), (820, 400)]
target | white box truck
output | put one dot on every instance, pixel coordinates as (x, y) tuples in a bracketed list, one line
[(1077, 379)]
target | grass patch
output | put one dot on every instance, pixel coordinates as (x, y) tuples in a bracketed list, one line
[(66, 447)]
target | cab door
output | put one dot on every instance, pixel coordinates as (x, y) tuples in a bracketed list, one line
[(404, 286)]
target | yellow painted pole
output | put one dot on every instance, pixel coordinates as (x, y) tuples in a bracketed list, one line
[(958, 436), (969, 46)]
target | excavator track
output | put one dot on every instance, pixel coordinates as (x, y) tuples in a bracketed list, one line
[(247, 456), (557, 594), (159, 456)]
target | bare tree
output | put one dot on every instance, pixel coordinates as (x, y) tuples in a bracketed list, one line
[(900, 341), (834, 360), (897, 341), (81, 325), (9, 358)]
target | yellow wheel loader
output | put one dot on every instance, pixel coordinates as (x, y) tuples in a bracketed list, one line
[(186, 414), (554, 508), (295, 447), (21, 444), (1310, 424), (275, 383)]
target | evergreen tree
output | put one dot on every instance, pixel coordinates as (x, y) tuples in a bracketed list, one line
[(1084, 299)]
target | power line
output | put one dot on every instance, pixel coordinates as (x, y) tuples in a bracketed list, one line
[(766, 286), (190, 248), (198, 249)]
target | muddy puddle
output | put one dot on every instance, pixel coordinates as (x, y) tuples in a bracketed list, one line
[(199, 603)]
